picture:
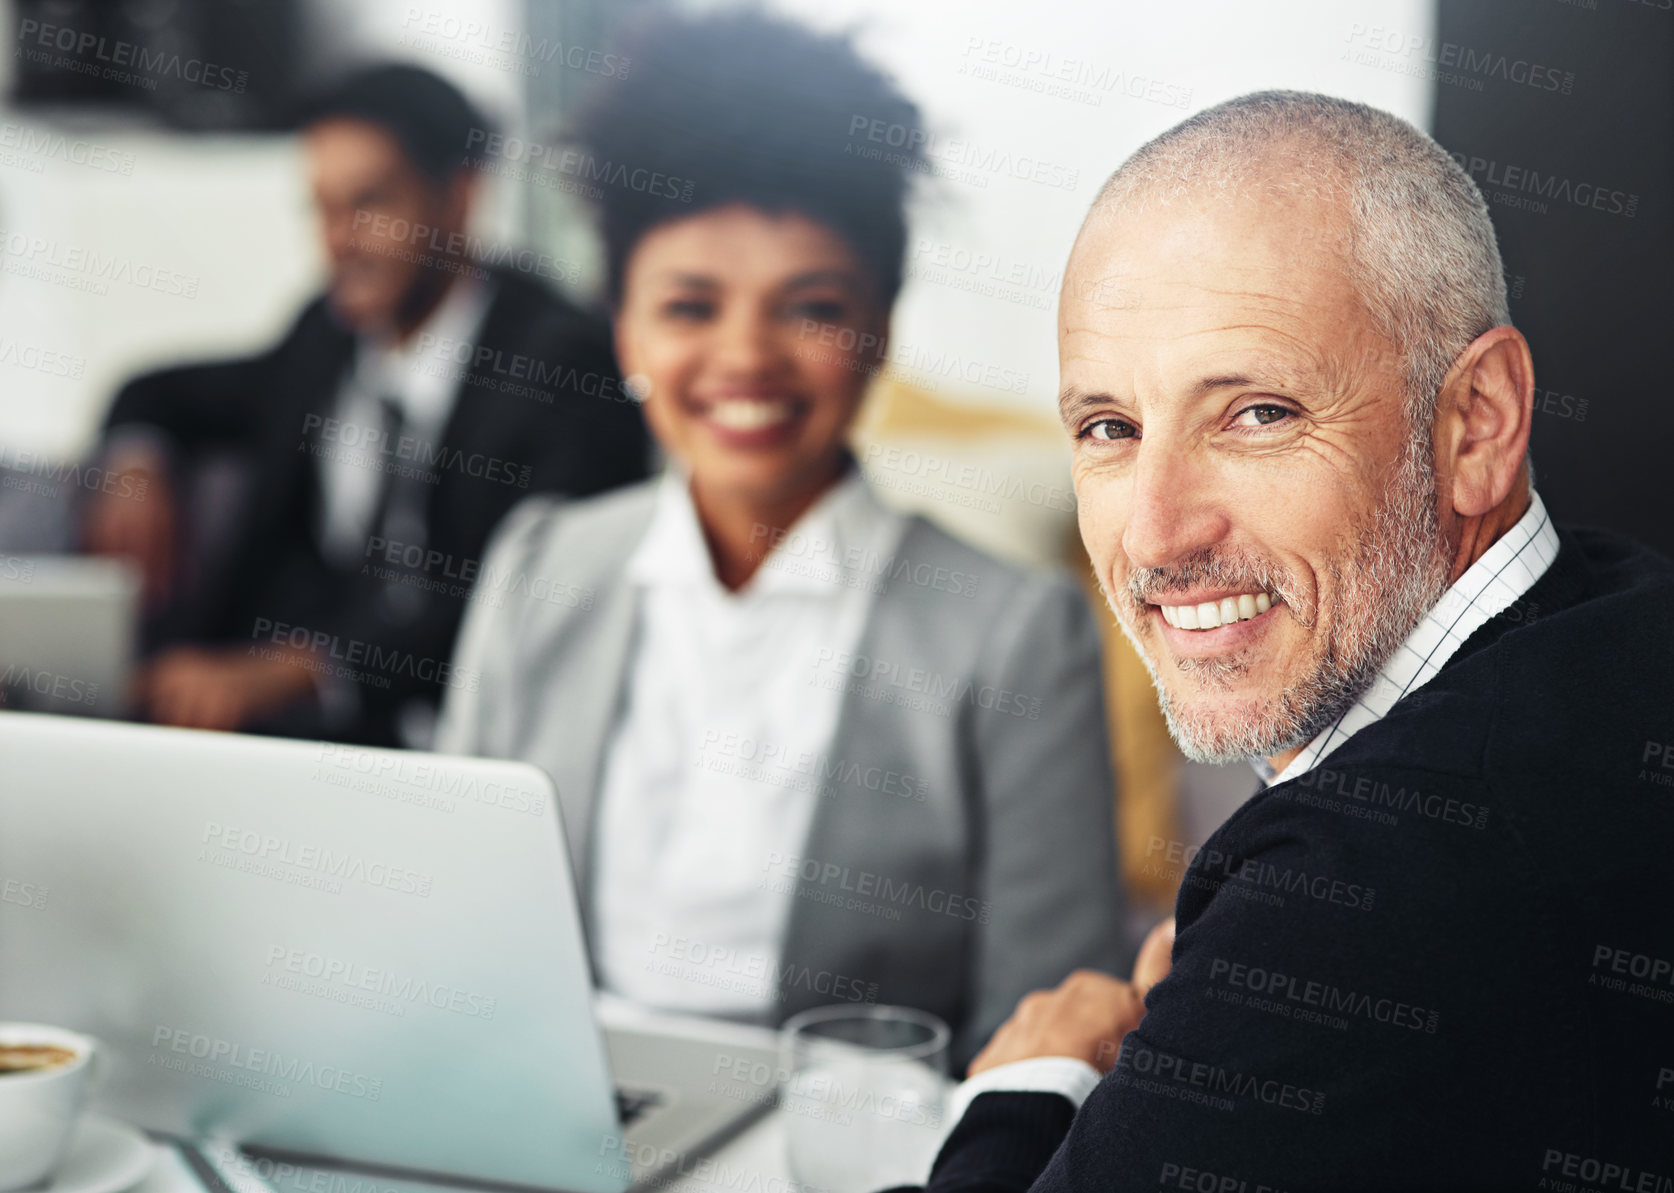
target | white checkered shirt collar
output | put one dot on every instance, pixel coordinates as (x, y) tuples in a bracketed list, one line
[(1507, 570)]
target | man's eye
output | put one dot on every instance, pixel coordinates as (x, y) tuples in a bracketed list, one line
[(821, 310), (1109, 428), (1263, 415)]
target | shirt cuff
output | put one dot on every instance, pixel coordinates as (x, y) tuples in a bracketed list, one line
[(1065, 1075)]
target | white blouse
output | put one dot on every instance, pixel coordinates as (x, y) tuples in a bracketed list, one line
[(712, 770)]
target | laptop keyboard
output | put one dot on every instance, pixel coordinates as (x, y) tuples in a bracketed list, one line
[(631, 1104)]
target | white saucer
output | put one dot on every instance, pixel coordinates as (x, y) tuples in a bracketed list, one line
[(104, 1156)]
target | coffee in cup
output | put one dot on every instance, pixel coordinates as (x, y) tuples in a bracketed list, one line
[(31, 1058)]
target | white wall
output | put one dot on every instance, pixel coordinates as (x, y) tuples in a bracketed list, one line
[(225, 219), (202, 247), (989, 227), (987, 251)]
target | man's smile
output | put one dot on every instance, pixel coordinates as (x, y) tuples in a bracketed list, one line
[(1205, 612), (1215, 625)]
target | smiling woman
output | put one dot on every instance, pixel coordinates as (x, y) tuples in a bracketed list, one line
[(809, 749), (753, 307), (720, 329)]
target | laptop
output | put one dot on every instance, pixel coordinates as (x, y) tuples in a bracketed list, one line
[(66, 633), (361, 958)]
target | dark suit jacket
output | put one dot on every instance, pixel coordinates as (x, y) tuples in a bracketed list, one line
[(540, 409), (1443, 959)]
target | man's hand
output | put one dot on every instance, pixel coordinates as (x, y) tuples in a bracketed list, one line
[(220, 689), (1156, 957), (1086, 1017), (136, 520)]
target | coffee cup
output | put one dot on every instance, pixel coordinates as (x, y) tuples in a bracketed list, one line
[(43, 1082)]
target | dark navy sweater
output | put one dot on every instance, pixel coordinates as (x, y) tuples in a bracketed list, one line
[(1441, 960)]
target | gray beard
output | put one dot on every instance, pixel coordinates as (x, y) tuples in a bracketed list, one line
[(1395, 572)]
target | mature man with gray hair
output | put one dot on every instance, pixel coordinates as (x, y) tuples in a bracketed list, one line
[(1436, 951)]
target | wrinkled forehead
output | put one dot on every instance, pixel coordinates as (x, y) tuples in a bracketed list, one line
[(1283, 229), (1269, 270)]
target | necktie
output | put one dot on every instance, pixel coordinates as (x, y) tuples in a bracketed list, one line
[(403, 504)]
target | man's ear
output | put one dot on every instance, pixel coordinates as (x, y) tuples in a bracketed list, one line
[(461, 195), (1483, 418)]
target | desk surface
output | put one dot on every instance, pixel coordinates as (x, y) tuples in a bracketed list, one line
[(759, 1151), (755, 1158)]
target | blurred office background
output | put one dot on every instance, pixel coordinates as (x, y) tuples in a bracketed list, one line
[(157, 218)]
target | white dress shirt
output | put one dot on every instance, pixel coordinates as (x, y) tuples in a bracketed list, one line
[(426, 387), (711, 773), (1506, 570)]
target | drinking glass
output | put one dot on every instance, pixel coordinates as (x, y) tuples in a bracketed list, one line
[(864, 1095)]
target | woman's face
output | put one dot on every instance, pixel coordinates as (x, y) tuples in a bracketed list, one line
[(752, 337)]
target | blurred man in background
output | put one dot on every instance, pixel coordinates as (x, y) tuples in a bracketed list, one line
[(376, 446)]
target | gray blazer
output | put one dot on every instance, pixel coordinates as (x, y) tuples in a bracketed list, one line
[(976, 684)]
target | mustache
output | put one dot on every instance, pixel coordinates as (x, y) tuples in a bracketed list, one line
[(1213, 568)]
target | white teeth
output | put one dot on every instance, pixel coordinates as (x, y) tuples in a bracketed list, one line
[(1211, 614), (742, 414)]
